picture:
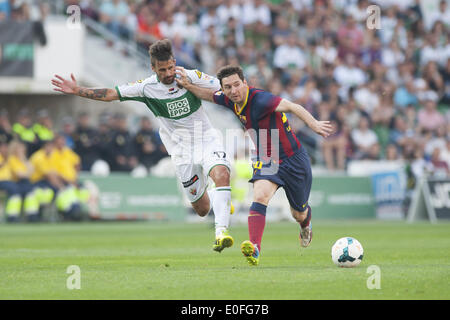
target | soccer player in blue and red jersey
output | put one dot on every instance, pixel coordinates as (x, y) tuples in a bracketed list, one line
[(281, 160)]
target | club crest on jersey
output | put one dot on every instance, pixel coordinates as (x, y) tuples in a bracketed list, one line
[(178, 108), (173, 90), (193, 191), (243, 119)]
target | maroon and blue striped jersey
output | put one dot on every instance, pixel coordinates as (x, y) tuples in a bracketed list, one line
[(259, 118)]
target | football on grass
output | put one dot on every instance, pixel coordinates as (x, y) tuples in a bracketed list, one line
[(347, 252)]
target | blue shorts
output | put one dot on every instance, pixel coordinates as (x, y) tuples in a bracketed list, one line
[(293, 174)]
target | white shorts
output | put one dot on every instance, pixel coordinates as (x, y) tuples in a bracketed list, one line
[(194, 176)]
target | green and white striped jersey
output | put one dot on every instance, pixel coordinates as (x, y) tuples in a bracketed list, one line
[(181, 116)]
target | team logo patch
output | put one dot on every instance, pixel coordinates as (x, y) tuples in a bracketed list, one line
[(193, 191), (178, 108), (190, 182), (199, 74), (243, 119), (132, 83), (173, 90)]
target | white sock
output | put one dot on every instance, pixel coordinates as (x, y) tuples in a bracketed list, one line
[(221, 204)]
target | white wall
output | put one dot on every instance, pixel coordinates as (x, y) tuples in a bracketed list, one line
[(62, 55)]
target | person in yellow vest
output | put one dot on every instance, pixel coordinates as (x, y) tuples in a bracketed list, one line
[(44, 176), (67, 164), (43, 128), (13, 203), (21, 170), (23, 131)]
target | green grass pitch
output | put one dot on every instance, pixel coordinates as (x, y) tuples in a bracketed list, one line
[(144, 260)]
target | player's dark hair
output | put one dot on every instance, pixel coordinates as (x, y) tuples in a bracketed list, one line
[(161, 50), (229, 70)]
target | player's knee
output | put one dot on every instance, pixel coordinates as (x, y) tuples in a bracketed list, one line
[(262, 198), (221, 176), (202, 206), (202, 211)]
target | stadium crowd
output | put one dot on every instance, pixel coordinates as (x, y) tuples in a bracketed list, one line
[(39, 165), (31, 11), (387, 90)]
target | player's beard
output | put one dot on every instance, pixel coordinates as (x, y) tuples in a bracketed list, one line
[(168, 80)]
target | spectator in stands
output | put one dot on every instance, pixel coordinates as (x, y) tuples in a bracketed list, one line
[(208, 18), (374, 52), (349, 74), (105, 132), (405, 95), (68, 130), (43, 128), (429, 118), (350, 37), (367, 97), (67, 164), (281, 31), (326, 50), (310, 34), (257, 19), (44, 176), (5, 127), (5, 10), (88, 9), (334, 148), (13, 201), (364, 139), (148, 147), (228, 9), (261, 70), (21, 170), (184, 53), (432, 51), (399, 135), (121, 146), (439, 167), (443, 14), (433, 78), (446, 79), (358, 10), (289, 56), (445, 153), (191, 30), (148, 28), (23, 130), (438, 140), (113, 14), (87, 142), (392, 153), (170, 28)]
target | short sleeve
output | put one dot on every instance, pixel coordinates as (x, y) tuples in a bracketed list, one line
[(203, 80), (266, 103), (131, 91), (221, 99)]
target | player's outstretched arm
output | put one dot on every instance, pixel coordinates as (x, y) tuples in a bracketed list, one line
[(324, 128), (71, 87), (183, 81)]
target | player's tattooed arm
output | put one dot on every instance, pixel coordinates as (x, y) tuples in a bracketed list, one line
[(183, 81), (71, 87), (98, 94), (324, 128)]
